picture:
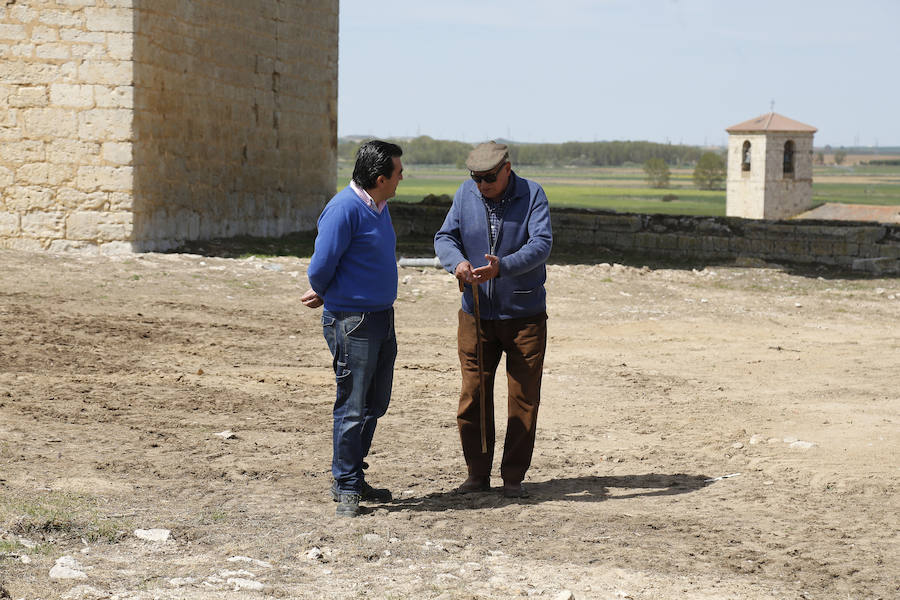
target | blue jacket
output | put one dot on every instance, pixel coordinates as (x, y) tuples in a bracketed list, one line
[(354, 265), (522, 245)]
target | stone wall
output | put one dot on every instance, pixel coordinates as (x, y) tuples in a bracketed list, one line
[(848, 245), (140, 124), (65, 124), (235, 117)]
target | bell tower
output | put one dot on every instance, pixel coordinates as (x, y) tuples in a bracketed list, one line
[(769, 168)]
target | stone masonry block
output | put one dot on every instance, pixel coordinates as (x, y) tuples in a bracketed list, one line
[(22, 152), (21, 12), (98, 226), (12, 32), (74, 247), (72, 96), (114, 97), (105, 124), (41, 34), (6, 179), (29, 97), (42, 173), (71, 198), (22, 244), (65, 151), (53, 51), (44, 224), (25, 198), (83, 37), (110, 179), (61, 18), (116, 20), (89, 51), (106, 72), (9, 224), (49, 123), (77, 3), (120, 46), (117, 152)]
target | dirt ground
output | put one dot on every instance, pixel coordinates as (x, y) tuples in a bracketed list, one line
[(721, 432)]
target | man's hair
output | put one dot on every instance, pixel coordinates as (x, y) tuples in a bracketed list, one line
[(374, 158)]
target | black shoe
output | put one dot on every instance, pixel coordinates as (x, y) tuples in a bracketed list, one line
[(348, 505), (474, 484), (367, 493), (514, 490)]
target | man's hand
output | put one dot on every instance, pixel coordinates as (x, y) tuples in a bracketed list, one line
[(464, 272), (311, 299), (488, 271)]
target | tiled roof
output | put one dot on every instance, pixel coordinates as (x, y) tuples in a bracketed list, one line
[(771, 122)]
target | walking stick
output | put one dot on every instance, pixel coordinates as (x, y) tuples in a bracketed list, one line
[(479, 360)]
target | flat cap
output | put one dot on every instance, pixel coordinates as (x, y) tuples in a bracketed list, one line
[(486, 156)]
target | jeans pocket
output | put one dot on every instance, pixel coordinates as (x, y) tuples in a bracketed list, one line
[(354, 327), (343, 379)]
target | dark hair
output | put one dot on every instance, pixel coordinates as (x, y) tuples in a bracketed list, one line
[(374, 158)]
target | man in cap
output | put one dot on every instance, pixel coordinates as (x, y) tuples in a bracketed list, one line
[(353, 272), (496, 238)]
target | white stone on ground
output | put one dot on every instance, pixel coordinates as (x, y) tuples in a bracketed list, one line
[(67, 567), (153, 535)]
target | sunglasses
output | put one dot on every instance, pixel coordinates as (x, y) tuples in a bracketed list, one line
[(488, 178)]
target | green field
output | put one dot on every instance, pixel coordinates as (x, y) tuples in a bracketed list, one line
[(623, 189)]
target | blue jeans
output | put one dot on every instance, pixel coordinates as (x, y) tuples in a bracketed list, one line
[(364, 348)]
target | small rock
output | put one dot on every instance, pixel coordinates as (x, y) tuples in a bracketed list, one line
[(371, 538), (756, 439), (407, 279), (565, 595), (789, 439), (182, 581), (226, 435), (25, 559), (801, 445), (245, 584), (67, 567), (247, 559), (737, 445), (153, 535), (314, 554), (240, 573)]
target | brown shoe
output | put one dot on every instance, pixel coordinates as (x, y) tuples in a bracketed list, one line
[(474, 484), (514, 490)]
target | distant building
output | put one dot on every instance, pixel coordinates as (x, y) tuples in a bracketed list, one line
[(769, 168)]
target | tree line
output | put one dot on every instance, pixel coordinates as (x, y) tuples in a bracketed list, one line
[(426, 150)]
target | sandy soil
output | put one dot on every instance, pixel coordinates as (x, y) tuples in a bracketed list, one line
[(116, 374)]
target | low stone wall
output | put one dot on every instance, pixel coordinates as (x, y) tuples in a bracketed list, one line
[(871, 247)]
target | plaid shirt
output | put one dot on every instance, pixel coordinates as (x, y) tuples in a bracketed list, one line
[(495, 212)]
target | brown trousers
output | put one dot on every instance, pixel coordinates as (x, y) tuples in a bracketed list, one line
[(524, 340)]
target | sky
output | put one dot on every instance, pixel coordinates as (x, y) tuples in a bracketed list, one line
[(669, 71)]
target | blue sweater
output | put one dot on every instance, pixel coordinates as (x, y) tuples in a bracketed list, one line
[(522, 245), (354, 266)]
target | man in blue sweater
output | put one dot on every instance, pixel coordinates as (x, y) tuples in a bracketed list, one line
[(353, 272), (497, 238)]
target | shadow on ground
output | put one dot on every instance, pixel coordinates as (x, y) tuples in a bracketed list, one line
[(573, 489)]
